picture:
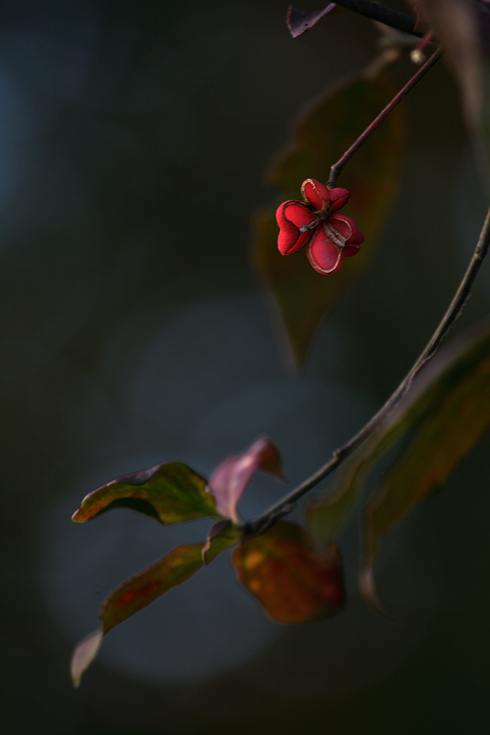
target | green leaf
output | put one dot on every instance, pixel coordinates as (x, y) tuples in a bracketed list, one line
[(169, 492), (323, 133), (134, 595), (222, 535), (293, 583), (441, 418), (457, 418)]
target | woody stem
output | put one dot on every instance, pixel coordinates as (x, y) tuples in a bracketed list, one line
[(282, 508), (337, 167)]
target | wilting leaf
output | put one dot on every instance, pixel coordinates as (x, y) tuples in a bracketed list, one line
[(134, 595), (452, 427), (294, 583), (323, 133), (299, 21), (222, 535), (231, 478), (169, 492), (84, 654), (137, 592)]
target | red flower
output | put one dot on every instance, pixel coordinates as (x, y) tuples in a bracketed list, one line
[(328, 237)]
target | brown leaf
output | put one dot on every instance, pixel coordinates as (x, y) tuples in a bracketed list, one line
[(293, 582)]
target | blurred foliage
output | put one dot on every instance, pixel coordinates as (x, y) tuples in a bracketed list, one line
[(294, 583), (323, 132), (437, 423)]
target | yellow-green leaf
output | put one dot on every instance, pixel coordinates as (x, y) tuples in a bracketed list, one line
[(437, 423), (222, 535), (452, 427), (169, 492), (135, 594)]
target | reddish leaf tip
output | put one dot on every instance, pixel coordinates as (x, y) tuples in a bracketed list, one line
[(231, 477)]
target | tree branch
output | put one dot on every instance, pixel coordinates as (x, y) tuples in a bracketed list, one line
[(389, 17), (262, 522), (337, 167)]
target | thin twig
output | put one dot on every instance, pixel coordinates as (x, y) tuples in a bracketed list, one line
[(454, 311), (337, 167), (389, 17)]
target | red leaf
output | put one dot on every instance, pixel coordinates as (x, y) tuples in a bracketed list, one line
[(230, 478), (293, 582)]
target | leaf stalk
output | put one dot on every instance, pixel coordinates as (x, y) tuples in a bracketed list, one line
[(337, 167)]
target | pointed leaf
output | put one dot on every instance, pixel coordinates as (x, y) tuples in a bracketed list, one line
[(145, 587), (169, 492), (441, 418), (456, 422), (134, 595), (222, 535), (83, 655), (436, 424), (299, 21), (293, 583), (231, 478), (323, 133)]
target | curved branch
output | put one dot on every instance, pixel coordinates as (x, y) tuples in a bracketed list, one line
[(283, 507)]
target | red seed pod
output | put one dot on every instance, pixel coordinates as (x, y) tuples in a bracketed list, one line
[(328, 237)]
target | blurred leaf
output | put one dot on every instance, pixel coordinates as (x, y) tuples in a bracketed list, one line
[(299, 21), (463, 29), (326, 515), (452, 427), (169, 492), (231, 478), (293, 583), (436, 424), (137, 592), (222, 535), (83, 655), (134, 595), (454, 26), (322, 134)]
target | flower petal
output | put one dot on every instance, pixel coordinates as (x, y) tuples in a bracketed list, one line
[(292, 215), (351, 250), (316, 193), (323, 254), (346, 228), (338, 197), (230, 478)]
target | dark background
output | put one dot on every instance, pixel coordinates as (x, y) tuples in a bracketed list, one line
[(133, 140)]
